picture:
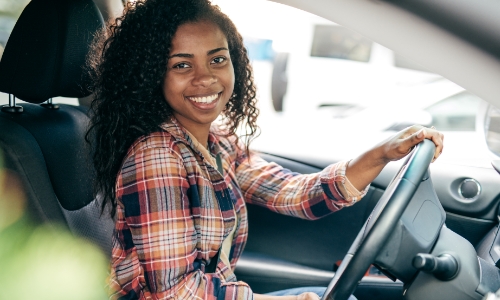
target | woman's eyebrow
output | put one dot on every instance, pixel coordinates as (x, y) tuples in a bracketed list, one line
[(181, 55), (210, 52), (216, 50)]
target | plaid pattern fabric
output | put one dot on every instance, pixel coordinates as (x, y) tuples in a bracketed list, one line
[(175, 210)]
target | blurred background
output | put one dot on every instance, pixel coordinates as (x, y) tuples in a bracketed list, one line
[(306, 63), (310, 69), (316, 77)]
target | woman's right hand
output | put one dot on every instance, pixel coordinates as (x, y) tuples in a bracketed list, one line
[(363, 169)]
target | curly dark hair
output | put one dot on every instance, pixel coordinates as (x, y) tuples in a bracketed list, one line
[(128, 64)]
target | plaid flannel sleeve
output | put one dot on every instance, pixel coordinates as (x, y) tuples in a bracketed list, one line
[(155, 250), (308, 196)]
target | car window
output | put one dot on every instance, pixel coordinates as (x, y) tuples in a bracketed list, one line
[(328, 76)]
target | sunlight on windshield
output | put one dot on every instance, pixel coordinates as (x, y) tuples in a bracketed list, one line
[(328, 65), (310, 69)]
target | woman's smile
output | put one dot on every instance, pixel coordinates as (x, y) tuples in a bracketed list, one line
[(204, 102)]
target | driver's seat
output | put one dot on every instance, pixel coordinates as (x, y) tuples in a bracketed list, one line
[(44, 143)]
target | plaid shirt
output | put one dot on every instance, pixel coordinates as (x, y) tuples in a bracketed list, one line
[(175, 210)]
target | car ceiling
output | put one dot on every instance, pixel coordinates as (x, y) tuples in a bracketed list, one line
[(456, 39)]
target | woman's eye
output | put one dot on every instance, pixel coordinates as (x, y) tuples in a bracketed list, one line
[(219, 60), (181, 66)]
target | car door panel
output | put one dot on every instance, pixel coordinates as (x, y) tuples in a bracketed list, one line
[(284, 252), (472, 219)]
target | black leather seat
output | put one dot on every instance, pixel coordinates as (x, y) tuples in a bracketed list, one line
[(44, 144)]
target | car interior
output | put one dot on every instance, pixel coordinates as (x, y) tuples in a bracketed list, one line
[(421, 232)]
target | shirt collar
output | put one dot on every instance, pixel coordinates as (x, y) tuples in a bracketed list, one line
[(173, 127)]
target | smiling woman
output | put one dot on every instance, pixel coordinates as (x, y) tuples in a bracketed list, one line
[(182, 219), (177, 181)]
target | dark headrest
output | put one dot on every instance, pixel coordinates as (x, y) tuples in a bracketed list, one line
[(45, 54)]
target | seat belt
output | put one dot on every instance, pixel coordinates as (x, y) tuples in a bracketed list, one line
[(212, 266)]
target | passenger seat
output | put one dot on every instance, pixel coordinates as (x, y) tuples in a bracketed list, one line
[(44, 143)]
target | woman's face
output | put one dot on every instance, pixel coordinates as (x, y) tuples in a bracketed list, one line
[(200, 77)]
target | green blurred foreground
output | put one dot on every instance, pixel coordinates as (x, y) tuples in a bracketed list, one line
[(44, 262)]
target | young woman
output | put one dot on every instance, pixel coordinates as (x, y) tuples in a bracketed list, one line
[(177, 184)]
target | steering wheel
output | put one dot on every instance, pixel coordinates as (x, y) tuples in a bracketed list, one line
[(382, 221)]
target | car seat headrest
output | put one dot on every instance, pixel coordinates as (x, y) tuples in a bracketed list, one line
[(46, 51)]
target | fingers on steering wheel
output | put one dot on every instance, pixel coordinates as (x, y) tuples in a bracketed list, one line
[(437, 137), (411, 140), (419, 136), (429, 133)]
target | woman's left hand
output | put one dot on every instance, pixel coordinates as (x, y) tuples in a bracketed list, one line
[(401, 144)]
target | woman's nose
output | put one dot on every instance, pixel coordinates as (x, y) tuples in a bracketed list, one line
[(204, 77)]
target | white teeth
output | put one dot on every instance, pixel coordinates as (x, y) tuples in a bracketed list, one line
[(207, 99)]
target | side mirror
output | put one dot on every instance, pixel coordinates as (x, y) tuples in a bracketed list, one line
[(489, 125)]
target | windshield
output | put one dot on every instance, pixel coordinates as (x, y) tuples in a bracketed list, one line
[(312, 73)]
